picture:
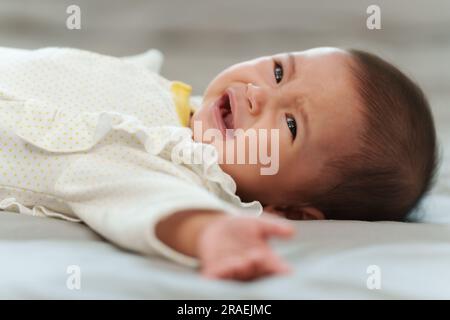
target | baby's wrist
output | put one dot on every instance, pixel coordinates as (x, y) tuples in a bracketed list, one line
[(182, 230)]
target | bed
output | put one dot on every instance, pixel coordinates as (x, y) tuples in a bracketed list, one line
[(332, 259)]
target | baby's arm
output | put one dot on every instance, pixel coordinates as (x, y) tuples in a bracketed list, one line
[(228, 247), (126, 203)]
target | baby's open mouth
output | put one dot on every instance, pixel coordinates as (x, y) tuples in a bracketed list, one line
[(225, 111)]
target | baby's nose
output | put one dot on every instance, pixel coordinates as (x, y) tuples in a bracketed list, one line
[(257, 97)]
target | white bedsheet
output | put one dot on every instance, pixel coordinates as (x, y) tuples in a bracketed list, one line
[(330, 260)]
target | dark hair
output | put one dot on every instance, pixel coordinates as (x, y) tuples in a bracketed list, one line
[(396, 163)]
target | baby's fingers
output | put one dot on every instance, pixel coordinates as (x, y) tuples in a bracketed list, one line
[(225, 270), (255, 265), (274, 227), (276, 265)]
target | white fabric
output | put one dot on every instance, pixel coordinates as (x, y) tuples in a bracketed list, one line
[(330, 259), (92, 137), (151, 59)]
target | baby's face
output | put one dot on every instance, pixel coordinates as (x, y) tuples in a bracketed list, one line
[(308, 97)]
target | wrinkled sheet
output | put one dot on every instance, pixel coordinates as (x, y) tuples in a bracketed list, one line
[(330, 259)]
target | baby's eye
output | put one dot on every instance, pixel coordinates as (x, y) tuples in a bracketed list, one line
[(292, 125), (278, 72)]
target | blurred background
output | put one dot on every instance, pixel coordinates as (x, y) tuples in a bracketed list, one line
[(199, 38)]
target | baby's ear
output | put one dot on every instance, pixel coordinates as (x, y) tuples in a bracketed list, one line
[(305, 213), (292, 213)]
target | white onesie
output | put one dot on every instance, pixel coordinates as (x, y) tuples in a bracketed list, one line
[(88, 137)]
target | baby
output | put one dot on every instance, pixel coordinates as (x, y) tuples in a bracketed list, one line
[(353, 138), (357, 141)]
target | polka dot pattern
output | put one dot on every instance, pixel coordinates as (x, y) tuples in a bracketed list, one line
[(50, 101), (86, 137)]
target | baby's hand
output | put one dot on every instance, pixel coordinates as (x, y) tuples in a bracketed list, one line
[(236, 247)]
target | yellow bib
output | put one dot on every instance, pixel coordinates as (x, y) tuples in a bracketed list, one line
[(181, 93)]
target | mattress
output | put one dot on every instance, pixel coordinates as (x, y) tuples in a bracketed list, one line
[(331, 260)]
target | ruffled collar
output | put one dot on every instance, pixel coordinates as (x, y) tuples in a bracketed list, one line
[(201, 158)]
